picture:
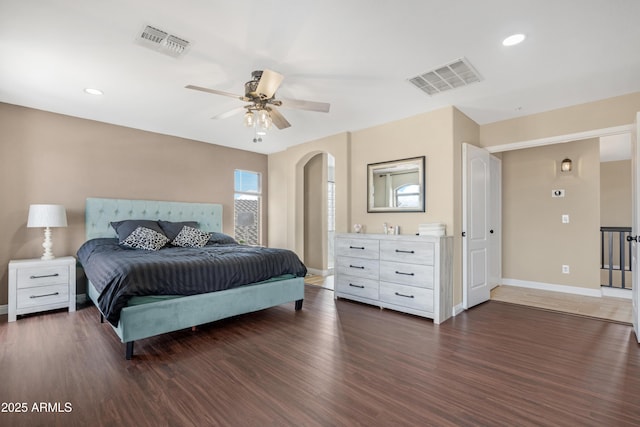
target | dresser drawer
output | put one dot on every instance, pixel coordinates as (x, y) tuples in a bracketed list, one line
[(410, 252), (39, 276), (358, 248), (365, 288), (407, 274), (407, 296), (358, 267), (42, 295)]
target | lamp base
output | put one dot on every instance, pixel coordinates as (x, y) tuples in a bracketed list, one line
[(47, 245)]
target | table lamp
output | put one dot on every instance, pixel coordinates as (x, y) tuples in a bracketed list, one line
[(47, 216)]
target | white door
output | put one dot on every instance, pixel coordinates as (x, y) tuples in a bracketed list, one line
[(475, 225), (635, 187), (495, 222)]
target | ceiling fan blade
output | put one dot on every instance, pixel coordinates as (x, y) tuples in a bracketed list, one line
[(268, 84), (216, 92), (278, 119), (321, 107), (228, 113)]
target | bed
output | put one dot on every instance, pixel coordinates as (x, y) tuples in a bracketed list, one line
[(148, 314)]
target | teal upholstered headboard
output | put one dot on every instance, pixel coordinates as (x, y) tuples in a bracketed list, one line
[(100, 212)]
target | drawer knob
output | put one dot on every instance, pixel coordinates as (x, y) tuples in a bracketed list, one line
[(46, 275), (405, 274), (356, 286), (45, 295), (356, 266), (400, 251), (403, 295), (356, 247)]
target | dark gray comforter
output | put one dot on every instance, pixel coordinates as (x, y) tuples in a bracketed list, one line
[(118, 272)]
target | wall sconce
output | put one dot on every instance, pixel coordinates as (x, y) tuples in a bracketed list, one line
[(566, 166)]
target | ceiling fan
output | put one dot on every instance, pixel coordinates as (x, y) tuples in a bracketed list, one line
[(260, 92)]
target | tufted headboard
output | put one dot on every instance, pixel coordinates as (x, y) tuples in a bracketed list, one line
[(100, 212)]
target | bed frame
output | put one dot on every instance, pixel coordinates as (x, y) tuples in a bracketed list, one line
[(167, 315)]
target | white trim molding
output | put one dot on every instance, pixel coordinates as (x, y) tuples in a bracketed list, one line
[(596, 133), (457, 309), (616, 292)]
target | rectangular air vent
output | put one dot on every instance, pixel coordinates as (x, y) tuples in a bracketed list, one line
[(162, 41), (450, 76)]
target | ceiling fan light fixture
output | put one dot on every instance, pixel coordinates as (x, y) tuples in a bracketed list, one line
[(264, 119), (249, 120)]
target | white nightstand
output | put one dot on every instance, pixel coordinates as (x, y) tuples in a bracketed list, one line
[(39, 285)]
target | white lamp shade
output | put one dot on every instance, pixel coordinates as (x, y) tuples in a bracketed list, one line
[(47, 216)]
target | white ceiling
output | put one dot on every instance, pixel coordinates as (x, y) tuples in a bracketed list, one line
[(356, 55)]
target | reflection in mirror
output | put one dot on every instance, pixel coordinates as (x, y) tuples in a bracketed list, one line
[(396, 186)]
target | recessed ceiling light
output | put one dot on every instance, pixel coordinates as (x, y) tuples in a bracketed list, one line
[(91, 91), (513, 40)]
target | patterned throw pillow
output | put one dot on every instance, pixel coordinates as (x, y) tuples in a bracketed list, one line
[(190, 237), (145, 238)]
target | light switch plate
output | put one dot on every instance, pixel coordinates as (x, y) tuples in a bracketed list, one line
[(565, 219)]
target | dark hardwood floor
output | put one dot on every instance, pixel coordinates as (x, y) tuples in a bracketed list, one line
[(335, 363)]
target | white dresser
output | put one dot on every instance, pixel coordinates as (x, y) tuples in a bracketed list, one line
[(411, 274), (36, 285)]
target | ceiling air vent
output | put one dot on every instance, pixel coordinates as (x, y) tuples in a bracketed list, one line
[(162, 41), (450, 76)]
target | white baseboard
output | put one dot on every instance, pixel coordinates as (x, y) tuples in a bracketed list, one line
[(457, 309), (616, 293), (565, 289)]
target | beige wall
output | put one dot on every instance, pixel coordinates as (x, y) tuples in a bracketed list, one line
[(438, 135), (535, 241), (315, 219), (601, 114), (615, 194), (429, 134), (286, 198), (52, 158)]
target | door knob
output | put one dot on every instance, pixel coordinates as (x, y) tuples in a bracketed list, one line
[(491, 231), (632, 238)]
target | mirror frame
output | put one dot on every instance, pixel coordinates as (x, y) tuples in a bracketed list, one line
[(371, 167)]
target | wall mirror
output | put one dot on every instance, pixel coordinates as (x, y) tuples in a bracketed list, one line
[(396, 186)]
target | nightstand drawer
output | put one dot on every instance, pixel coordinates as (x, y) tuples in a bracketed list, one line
[(42, 275), (42, 295)]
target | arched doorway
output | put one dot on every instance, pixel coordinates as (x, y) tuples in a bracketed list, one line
[(319, 213)]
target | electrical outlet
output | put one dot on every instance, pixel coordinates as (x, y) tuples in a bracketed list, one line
[(565, 219), (565, 269)]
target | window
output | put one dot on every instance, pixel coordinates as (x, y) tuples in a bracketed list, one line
[(247, 206), (407, 195)]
